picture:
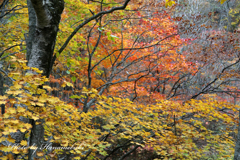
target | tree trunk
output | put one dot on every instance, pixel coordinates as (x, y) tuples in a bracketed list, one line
[(41, 42), (2, 93), (32, 28), (48, 15)]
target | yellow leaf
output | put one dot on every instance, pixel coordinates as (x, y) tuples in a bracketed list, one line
[(3, 97), (33, 103), (21, 109), (222, 1), (64, 143), (14, 92), (22, 130), (69, 84), (25, 67), (16, 151), (169, 3), (52, 100), (35, 117), (10, 156), (25, 151), (13, 130), (63, 85), (85, 90), (23, 143), (2, 139), (12, 110), (40, 154), (166, 4), (4, 158), (42, 99), (50, 123), (17, 86), (15, 121), (57, 137), (22, 99), (47, 87), (2, 102), (28, 113), (38, 123), (28, 126), (35, 69), (40, 104), (22, 60), (9, 92), (11, 140)]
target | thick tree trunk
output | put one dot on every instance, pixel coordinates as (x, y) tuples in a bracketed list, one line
[(40, 49), (48, 15)]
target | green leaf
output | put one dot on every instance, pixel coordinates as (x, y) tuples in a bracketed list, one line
[(73, 78), (75, 96), (68, 64), (57, 54), (79, 58), (86, 58)]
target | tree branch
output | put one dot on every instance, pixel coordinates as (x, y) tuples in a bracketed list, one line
[(86, 22)]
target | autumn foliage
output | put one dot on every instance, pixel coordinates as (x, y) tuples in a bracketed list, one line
[(130, 84)]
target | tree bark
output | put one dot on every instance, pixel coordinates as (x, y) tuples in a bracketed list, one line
[(2, 93), (48, 15), (32, 28), (40, 49)]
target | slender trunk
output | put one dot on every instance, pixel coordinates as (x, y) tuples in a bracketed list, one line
[(2, 92)]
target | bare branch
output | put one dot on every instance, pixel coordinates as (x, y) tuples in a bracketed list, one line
[(89, 20)]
